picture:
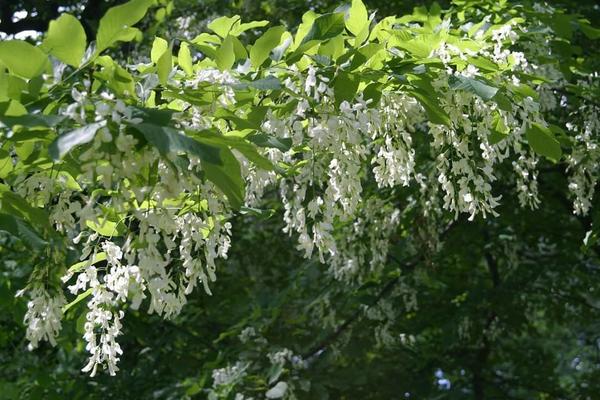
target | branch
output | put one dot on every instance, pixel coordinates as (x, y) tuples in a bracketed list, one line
[(318, 349)]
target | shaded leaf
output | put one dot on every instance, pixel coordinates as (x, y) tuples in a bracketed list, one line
[(345, 87), (483, 90), (265, 140), (22, 230), (32, 120), (227, 176), (543, 142), (169, 141), (325, 27)]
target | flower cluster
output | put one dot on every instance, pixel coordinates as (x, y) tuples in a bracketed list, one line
[(181, 230)]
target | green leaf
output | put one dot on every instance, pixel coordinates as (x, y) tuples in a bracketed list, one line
[(345, 87), (588, 30), (31, 120), (333, 48), (543, 142), (80, 265), (227, 177), (522, 90), (66, 40), (325, 27), (116, 24), (153, 115), (239, 50), (22, 230), (22, 59), (262, 47), (159, 47), (481, 89), (115, 77), (223, 26), (78, 299), (107, 228), (265, 140), (373, 92), (65, 143), (424, 92), (224, 56), (240, 28), (483, 64), (421, 46), (169, 141), (6, 163), (267, 83), (15, 205), (161, 56), (562, 25), (358, 17), (243, 146), (184, 59), (435, 113), (503, 101), (499, 130)]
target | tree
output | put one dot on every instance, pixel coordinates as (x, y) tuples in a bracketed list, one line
[(434, 177)]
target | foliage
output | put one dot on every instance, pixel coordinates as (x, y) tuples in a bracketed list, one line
[(434, 176)]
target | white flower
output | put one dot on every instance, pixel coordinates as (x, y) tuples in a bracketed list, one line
[(277, 391), (43, 317)]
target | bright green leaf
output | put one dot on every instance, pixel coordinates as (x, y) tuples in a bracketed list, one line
[(116, 24), (184, 58), (77, 300), (106, 227), (22, 58), (225, 57), (6, 163), (262, 47), (159, 47), (240, 28), (66, 40), (161, 56), (223, 26), (358, 17), (325, 27)]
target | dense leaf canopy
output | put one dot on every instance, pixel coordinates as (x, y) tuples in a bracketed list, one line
[(248, 200)]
